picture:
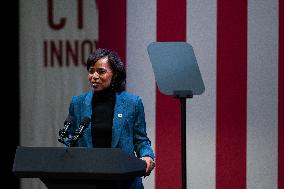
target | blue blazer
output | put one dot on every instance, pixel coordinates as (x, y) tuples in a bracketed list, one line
[(129, 126)]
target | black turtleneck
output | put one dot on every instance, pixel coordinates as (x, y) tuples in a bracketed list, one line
[(102, 118)]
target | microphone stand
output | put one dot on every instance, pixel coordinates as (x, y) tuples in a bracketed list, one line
[(63, 135)]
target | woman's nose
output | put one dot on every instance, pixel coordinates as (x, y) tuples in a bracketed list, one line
[(95, 75)]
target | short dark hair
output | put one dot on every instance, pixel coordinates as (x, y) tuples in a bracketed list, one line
[(119, 74)]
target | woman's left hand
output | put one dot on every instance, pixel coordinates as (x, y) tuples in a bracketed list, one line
[(150, 164)]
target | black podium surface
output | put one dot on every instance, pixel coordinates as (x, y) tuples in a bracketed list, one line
[(75, 167)]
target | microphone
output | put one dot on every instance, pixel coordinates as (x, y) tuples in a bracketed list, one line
[(83, 125), (63, 133)]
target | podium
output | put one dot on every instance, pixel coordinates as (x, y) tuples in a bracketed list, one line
[(77, 167)]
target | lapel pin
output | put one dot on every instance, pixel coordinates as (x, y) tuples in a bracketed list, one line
[(119, 115)]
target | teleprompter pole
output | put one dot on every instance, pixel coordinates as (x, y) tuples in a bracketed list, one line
[(183, 95)]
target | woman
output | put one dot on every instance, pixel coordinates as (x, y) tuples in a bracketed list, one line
[(117, 117)]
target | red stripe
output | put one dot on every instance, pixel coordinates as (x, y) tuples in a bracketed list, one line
[(171, 26), (281, 98), (112, 26), (231, 94)]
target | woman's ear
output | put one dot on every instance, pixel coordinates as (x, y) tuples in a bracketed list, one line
[(113, 80), (114, 77)]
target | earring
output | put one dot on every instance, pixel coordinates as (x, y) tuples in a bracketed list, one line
[(112, 86)]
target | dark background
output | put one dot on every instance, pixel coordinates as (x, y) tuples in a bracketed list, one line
[(9, 138)]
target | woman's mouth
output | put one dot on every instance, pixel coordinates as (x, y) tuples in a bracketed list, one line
[(95, 84)]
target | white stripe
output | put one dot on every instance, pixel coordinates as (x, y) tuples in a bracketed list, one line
[(201, 110), (262, 90), (141, 30)]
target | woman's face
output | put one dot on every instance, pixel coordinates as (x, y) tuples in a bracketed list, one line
[(100, 75)]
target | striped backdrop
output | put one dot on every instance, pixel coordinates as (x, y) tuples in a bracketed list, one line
[(235, 129)]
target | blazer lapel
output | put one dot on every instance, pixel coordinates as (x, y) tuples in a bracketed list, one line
[(87, 109), (118, 118), (87, 112)]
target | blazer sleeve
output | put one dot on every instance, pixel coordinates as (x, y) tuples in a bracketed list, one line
[(142, 144)]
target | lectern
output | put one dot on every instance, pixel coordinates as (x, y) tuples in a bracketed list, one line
[(77, 167)]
